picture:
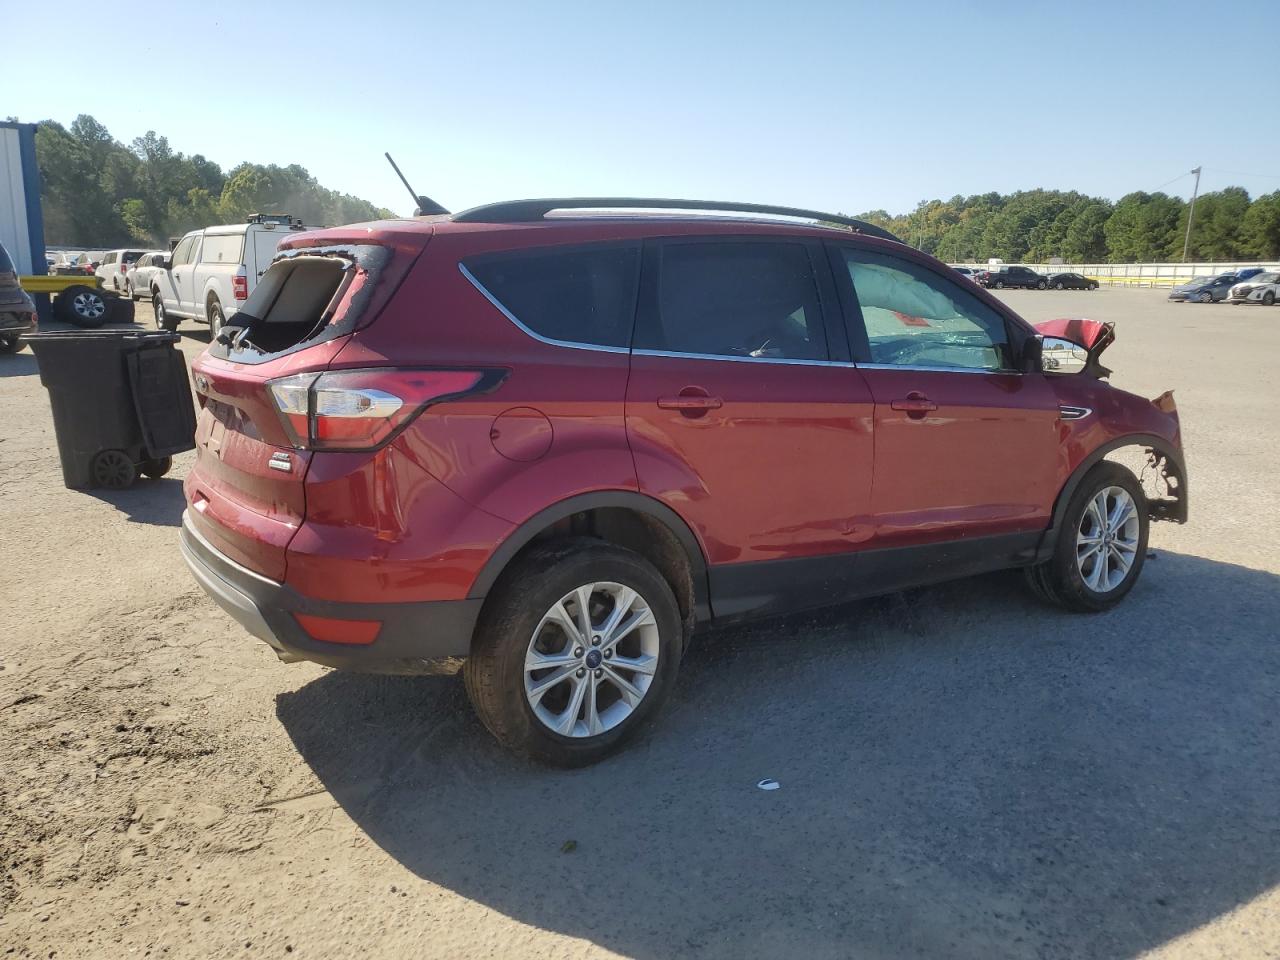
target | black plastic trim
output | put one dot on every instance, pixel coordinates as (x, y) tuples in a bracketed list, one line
[(770, 587), (624, 499), (526, 211), (1176, 465)]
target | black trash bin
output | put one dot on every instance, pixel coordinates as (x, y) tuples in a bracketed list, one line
[(121, 403)]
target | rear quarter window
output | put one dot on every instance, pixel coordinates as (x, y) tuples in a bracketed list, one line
[(222, 248), (580, 295)]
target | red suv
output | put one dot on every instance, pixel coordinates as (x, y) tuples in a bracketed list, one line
[(544, 441)]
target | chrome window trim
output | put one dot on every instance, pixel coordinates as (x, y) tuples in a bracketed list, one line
[(713, 356), (921, 368), (571, 344)]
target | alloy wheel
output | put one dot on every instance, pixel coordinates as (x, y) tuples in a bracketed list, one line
[(591, 659), (89, 306), (1107, 539)]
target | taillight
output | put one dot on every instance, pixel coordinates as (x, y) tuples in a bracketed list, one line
[(363, 409), (123, 266), (240, 288)]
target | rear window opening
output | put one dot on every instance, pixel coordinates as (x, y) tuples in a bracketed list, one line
[(306, 296)]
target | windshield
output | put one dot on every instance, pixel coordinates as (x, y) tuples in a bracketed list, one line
[(1265, 278), (6, 265)]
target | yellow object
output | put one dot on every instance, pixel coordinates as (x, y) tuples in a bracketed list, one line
[(55, 284)]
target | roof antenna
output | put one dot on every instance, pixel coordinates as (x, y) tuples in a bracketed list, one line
[(425, 205)]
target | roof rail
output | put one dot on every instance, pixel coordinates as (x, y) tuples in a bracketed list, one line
[(526, 211)]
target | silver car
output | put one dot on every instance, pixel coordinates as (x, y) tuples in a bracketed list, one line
[(1263, 289), (137, 281)]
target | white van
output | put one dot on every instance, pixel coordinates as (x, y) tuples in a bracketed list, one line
[(211, 272)]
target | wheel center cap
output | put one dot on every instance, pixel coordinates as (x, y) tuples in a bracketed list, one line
[(593, 659)]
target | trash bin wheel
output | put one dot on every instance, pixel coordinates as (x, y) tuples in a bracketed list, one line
[(113, 469), (157, 467)]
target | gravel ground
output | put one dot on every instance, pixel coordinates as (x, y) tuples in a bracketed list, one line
[(963, 772)]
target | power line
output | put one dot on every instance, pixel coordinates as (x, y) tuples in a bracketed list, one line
[(1241, 173), (1178, 177)]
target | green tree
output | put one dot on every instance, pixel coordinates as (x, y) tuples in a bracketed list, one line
[(1141, 227), (1260, 229), (1216, 228)]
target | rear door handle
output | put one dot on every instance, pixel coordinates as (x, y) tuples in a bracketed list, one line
[(692, 402), (915, 405)]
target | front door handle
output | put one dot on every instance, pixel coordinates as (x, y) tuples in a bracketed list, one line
[(915, 405), (691, 402)]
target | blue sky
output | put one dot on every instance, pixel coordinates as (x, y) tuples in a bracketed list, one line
[(832, 105)]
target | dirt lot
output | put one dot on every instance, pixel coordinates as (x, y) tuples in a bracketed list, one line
[(963, 772)]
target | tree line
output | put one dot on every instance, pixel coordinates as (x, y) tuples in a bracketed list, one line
[(98, 192), (1034, 225)]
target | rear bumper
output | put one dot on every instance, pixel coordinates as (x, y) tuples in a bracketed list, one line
[(415, 638), (16, 321)]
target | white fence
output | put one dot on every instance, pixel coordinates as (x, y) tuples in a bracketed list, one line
[(1140, 274)]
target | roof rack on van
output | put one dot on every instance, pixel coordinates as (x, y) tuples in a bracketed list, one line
[(280, 218), (525, 211)]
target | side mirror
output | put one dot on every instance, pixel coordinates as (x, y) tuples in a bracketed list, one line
[(165, 263), (1060, 356)]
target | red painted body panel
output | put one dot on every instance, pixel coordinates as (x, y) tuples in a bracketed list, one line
[(781, 470), (984, 462)]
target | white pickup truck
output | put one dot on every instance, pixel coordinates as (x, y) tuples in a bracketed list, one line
[(211, 272)]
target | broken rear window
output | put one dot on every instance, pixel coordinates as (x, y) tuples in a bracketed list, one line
[(307, 296)]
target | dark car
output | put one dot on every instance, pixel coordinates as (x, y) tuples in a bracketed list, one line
[(1020, 277), (1205, 289), (1072, 281), (612, 428), (17, 312)]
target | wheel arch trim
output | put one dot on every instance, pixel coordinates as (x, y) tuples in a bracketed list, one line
[(618, 499), (1175, 466)]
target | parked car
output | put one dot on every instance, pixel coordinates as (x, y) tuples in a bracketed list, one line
[(966, 272), (1023, 277), (543, 445), (1263, 288), (1204, 289), (1071, 281), (211, 272), (1247, 273), (17, 311), (141, 272), (77, 263), (113, 267)]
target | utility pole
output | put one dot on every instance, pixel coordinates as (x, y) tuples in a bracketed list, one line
[(1191, 214)]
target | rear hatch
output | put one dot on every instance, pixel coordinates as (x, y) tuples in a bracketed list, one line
[(246, 493)]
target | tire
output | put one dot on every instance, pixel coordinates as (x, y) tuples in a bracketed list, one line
[(163, 320), (1093, 286), (1206, 297), (156, 468), (130, 292), (119, 309), (999, 284), (1041, 285), (112, 469), (213, 312), (10, 344), (82, 305), (517, 616), (1268, 298), (1075, 582), (1058, 285)]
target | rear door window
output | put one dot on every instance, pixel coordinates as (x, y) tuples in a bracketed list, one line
[(739, 299), (182, 252), (574, 296)]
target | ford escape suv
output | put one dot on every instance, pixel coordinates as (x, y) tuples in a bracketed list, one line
[(543, 441)]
